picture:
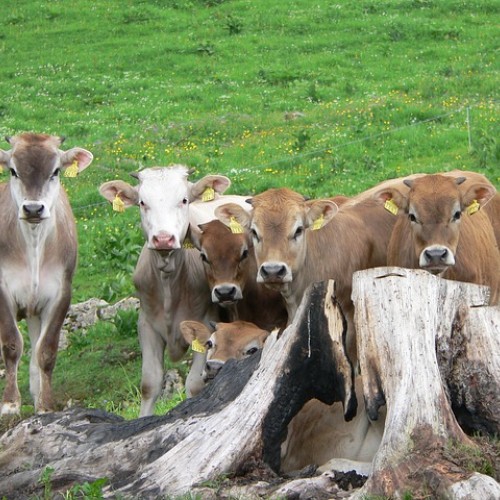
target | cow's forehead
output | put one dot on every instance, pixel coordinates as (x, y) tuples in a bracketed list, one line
[(275, 207), (434, 194), (155, 182), (35, 152)]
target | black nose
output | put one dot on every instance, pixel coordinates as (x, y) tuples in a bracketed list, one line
[(273, 270), (33, 210), (225, 293), (436, 255)]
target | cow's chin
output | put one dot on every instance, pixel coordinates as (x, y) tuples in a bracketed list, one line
[(436, 270), (227, 303)]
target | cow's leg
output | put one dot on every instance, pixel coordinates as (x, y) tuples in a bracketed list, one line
[(34, 327), (12, 348), (153, 349), (194, 380), (45, 352)]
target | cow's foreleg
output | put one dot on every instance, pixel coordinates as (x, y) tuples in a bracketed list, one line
[(194, 380), (12, 348), (153, 349), (43, 359)]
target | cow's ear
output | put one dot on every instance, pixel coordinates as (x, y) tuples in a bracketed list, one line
[(127, 193), (4, 158), (392, 199), (79, 157), (194, 330), (234, 217), (194, 235), (206, 188), (479, 192), (320, 213)]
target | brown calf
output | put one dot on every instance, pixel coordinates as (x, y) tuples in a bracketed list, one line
[(298, 242), (235, 340), (231, 271), (442, 229)]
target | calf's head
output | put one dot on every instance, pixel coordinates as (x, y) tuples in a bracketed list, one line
[(435, 206), (163, 196), (225, 258), (236, 340), (278, 224), (35, 163)]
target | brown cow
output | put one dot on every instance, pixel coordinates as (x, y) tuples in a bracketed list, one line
[(231, 272), (318, 434), (38, 248), (442, 229), (235, 340), (298, 242)]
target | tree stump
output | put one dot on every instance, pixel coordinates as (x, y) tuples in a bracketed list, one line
[(240, 420), (413, 359)]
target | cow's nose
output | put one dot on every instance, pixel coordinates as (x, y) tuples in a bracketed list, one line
[(163, 241), (436, 255), (226, 293), (212, 368), (33, 210), (273, 271)]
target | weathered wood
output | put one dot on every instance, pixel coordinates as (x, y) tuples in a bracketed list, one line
[(400, 315), (204, 437)]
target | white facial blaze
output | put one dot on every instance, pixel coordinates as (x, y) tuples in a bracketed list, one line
[(163, 199)]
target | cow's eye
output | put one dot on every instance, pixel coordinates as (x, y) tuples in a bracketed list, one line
[(204, 257), (209, 344), (412, 217), (252, 350), (255, 236), (13, 173), (456, 216), (55, 174), (185, 201), (244, 255), (298, 232)]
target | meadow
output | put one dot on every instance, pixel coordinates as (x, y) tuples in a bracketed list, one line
[(323, 97)]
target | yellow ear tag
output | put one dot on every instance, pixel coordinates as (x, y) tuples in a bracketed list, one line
[(208, 194), (72, 170), (318, 223), (473, 207), (118, 205), (197, 346), (235, 226), (391, 207), (187, 244)]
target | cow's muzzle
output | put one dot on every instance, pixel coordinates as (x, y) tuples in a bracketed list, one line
[(436, 258), (226, 294), (274, 272), (33, 212)]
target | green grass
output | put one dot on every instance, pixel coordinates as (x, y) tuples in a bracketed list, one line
[(379, 88)]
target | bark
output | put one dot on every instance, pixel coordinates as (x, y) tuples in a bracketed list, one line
[(429, 351), (239, 421), (407, 323)]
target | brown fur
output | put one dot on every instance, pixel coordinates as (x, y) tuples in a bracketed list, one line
[(433, 198), (229, 260)]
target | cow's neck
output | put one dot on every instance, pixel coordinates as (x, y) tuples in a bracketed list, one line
[(35, 237)]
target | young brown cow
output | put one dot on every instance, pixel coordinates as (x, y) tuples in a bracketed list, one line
[(231, 271), (442, 229)]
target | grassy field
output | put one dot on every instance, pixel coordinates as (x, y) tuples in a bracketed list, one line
[(323, 97)]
